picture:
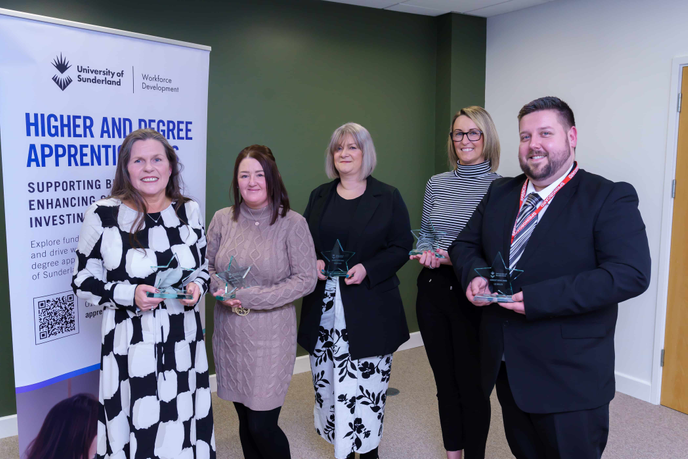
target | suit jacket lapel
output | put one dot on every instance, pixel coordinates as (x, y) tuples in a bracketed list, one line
[(554, 211), (364, 212)]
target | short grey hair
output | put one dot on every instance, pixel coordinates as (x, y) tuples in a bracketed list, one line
[(363, 140)]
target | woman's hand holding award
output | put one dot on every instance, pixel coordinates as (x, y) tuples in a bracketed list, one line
[(234, 278), (427, 241), (167, 276), (337, 261)]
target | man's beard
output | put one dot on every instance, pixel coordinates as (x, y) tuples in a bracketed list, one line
[(554, 162)]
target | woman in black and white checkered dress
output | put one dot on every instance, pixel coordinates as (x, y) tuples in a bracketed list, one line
[(154, 382)]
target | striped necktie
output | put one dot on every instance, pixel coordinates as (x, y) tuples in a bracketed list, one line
[(521, 239)]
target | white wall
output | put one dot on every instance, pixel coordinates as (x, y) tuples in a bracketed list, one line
[(611, 60)]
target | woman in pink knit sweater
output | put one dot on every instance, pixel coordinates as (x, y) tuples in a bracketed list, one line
[(254, 342)]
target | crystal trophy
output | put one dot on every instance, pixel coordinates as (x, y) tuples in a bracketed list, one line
[(337, 261), (427, 240), (499, 279), (167, 277), (234, 278)]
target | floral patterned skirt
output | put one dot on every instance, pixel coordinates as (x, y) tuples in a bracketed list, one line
[(350, 394)]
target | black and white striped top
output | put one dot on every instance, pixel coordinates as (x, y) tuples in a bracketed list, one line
[(451, 197)]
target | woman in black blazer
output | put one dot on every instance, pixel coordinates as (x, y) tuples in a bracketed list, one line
[(352, 326)]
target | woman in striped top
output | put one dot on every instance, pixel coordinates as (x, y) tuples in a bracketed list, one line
[(448, 322)]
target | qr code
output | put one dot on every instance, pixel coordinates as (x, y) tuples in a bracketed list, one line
[(55, 316)]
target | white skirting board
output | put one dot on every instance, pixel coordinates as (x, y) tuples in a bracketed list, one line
[(303, 363), (8, 426), (633, 386)]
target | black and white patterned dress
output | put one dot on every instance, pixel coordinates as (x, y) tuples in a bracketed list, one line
[(350, 394), (154, 381)]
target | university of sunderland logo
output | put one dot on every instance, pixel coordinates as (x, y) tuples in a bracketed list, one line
[(62, 65)]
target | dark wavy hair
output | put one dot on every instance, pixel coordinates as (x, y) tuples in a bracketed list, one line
[(124, 190), (68, 430), (277, 193)]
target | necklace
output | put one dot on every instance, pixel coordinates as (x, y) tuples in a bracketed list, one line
[(259, 215), (156, 220)]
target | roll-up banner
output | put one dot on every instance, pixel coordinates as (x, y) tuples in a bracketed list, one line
[(69, 94)]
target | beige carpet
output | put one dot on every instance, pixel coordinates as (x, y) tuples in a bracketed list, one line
[(637, 429)]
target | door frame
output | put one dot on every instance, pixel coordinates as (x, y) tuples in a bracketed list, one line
[(677, 65)]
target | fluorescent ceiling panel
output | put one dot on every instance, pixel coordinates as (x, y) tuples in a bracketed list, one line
[(406, 8), (506, 7), (370, 3), (458, 6), (484, 8)]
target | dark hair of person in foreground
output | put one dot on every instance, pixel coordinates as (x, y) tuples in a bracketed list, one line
[(68, 430)]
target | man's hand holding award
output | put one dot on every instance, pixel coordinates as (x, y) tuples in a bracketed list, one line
[(497, 280)]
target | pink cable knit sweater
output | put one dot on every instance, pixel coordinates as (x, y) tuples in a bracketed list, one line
[(254, 354)]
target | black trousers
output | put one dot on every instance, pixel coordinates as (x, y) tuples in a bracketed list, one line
[(372, 454), (571, 435), (449, 325), (261, 437)]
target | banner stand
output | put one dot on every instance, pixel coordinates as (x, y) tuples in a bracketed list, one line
[(69, 94)]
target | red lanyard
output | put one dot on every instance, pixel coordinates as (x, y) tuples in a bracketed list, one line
[(542, 204)]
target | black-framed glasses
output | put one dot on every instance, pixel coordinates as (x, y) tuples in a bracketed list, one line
[(473, 136)]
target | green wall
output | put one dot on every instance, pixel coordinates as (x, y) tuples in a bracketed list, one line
[(286, 74), (460, 74)]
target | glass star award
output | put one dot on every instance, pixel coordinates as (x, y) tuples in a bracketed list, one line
[(337, 261), (499, 279), (166, 277), (427, 240), (234, 278)]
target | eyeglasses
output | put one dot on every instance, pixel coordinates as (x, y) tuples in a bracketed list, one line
[(473, 136)]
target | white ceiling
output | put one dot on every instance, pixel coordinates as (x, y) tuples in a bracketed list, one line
[(484, 8)]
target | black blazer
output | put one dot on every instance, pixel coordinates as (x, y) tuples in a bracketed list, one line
[(588, 253), (381, 237)]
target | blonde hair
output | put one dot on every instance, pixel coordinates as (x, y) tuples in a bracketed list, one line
[(363, 141), (483, 120)]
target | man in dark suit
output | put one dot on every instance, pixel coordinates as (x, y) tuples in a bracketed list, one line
[(580, 243)]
